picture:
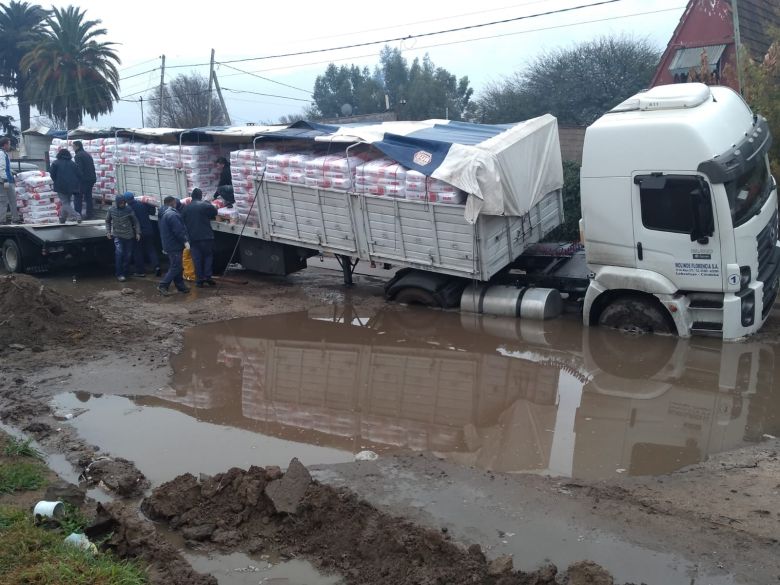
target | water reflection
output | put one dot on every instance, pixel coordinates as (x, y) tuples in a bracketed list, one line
[(500, 394)]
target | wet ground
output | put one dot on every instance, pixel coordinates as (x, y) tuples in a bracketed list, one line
[(470, 418)]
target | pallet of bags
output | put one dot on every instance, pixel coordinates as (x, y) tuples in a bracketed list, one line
[(247, 166), (383, 177), (287, 167), (197, 162), (420, 187), (333, 171), (36, 200)]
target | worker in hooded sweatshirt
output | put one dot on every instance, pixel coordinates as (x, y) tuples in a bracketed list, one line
[(143, 250), (122, 226)]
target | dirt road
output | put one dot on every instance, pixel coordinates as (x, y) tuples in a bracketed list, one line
[(450, 502)]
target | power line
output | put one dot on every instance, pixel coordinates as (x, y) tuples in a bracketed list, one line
[(264, 78), (284, 97), (416, 36)]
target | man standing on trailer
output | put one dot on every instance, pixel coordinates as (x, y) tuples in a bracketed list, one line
[(86, 167), (8, 188), (174, 241), (197, 218), (122, 225), (225, 185)]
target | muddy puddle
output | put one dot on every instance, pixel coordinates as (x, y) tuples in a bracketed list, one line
[(503, 395)]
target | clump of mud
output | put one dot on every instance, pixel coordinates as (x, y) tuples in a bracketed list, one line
[(34, 315), (264, 510)]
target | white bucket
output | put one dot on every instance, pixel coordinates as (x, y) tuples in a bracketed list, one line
[(44, 509)]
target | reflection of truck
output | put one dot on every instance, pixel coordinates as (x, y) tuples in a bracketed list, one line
[(498, 393), (679, 214)]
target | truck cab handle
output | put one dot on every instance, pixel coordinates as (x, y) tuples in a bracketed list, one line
[(639, 250)]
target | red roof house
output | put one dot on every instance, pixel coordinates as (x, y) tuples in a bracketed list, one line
[(703, 46)]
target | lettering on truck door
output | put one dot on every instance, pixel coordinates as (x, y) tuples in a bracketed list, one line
[(675, 227)]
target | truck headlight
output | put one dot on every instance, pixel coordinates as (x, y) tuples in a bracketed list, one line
[(744, 276)]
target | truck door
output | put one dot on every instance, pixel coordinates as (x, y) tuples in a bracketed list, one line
[(675, 226)]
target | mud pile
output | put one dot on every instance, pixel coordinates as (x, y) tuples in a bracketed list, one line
[(334, 529)]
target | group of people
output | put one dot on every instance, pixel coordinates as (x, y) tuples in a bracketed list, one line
[(74, 177), (129, 225)]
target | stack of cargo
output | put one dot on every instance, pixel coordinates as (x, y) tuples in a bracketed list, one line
[(247, 166), (422, 188), (288, 167), (382, 176), (198, 163), (36, 199), (333, 171)]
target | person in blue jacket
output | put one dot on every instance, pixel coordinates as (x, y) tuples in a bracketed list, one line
[(144, 250), (174, 241), (197, 218)]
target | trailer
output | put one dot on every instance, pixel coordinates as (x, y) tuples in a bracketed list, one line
[(31, 247), (679, 223)]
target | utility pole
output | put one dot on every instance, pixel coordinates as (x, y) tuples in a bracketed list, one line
[(141, 100), (737, 43), (162, 94), (211, 83), (221, 100)]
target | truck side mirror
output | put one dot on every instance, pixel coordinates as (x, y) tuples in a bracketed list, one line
[(701, 210)]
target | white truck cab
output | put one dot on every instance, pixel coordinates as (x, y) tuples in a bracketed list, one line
[(679, 214)]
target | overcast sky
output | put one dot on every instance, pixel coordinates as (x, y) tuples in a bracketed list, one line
[(254, 35)]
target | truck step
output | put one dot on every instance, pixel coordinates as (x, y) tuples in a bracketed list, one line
[(706, 304), (706, 327)]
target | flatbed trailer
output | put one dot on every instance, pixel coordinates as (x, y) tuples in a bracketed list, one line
[(30, 247)]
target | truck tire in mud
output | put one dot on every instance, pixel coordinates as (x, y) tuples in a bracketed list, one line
[(637, 316), (12, 256), (416, 296)]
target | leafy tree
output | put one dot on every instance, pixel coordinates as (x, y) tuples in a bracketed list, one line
[(577, 85), (762, 88), (569, 230), (417, 92), (185, 104), (8, 128), (72, 73), (21, 26), (347, 85)]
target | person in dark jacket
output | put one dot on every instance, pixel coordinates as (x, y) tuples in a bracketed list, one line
[(67, 181), (144, 249), (225, 185), (86, 167), (122, 226), (197, 218), (174, 240)]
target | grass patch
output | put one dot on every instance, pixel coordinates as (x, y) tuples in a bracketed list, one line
[(33, 555), (72, 519), (17, 448), (20, 476)]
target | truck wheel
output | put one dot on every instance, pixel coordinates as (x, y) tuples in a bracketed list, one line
[(635, 315), (12, 256), (415, 296)]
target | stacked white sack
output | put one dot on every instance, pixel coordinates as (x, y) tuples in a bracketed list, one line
[(419, 187), (246, 167), (198, 163), (36, 199), (288, 167), (333, 171), (383, 177)]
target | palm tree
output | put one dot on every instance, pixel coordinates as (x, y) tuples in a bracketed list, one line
[(21, 25), (71, 73)]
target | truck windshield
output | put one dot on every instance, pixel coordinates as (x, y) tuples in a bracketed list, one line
[(748, 192)]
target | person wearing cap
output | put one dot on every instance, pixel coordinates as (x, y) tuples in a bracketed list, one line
[(197, 218), (86, 168), (174, 239), (225, 185), (144, 249), (122, 226)]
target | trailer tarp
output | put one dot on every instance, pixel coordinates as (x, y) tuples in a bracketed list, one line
[(506, 169)]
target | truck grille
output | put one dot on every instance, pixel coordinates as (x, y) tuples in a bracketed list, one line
[(768, 262), (766, 241)]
